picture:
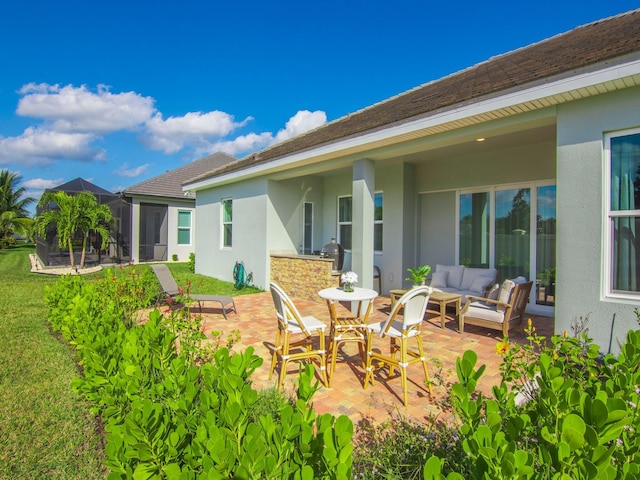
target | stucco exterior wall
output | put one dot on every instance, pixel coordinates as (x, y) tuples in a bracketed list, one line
[(580, 212), (531, 162), (249, 231), (287, 199)]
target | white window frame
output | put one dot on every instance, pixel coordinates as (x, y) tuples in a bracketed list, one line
[(378, 222), (608, 216), (189, 228), (304, 218), (224, 223), (349, 223)]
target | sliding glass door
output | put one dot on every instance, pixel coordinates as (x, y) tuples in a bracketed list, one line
[(513, 230)]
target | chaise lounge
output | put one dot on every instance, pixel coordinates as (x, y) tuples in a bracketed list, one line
[(170, 289)]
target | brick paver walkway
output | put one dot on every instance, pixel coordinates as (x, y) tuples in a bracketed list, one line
[(257, 325)]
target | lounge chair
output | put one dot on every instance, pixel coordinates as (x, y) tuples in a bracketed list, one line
[(170, 289)]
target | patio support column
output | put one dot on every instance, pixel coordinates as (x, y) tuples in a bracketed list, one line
[(134, 253), (364, 179)]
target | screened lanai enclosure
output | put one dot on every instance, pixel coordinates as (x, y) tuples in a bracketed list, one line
[(153, 232), (118, 248)]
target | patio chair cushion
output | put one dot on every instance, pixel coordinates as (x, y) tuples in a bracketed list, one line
[(395, 330), (439, 279), (310, 323), (489, 313), (505, 293)]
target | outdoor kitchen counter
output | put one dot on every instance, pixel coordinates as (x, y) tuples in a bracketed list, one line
[(303, 276)]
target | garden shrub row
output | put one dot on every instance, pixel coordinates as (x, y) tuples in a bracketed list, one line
[(562, 411), (168, 416)]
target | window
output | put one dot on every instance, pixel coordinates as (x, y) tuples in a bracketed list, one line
[(377, 222), (474, 238), (344, 222), (227, 222), (184, 227), (345, 208), (623, 211), (307, 233)]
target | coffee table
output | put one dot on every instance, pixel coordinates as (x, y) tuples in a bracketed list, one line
[(443, 299)]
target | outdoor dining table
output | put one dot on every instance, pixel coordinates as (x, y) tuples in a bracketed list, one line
[(348, 328)]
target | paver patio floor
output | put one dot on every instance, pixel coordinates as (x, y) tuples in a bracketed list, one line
[(257, 325)]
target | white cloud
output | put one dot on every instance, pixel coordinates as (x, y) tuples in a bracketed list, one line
[(77, 109), (42, 183), (124, 170), (241, 144), (36, 186), (191, 130), (71, 120), (301, 122), (42, 147)]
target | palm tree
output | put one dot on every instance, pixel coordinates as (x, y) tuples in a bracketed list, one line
[(13, 208), (10, 194), (71, 214), (93, 217)]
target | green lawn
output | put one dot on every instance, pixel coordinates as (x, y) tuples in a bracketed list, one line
[(46, 430)]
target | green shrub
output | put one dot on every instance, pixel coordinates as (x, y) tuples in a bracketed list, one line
[(192, 262), (576, 415), (167, 415)]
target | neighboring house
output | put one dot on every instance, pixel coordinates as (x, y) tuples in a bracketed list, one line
[(162, 219), (527, 162), (50, 253)]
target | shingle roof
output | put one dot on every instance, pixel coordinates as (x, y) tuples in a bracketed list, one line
[(583, 46), (80, 185), (169, 184)]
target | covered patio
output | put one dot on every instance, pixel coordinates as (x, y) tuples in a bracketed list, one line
[(257, 325)]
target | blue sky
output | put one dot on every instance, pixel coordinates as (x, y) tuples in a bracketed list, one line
[(119, 92)]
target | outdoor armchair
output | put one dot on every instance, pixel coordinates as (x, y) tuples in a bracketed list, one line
[(171, 290), (497, 313)]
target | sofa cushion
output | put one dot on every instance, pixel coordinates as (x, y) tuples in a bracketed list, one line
[(480, 284), (439, 279), (470, 275), (454, 277)]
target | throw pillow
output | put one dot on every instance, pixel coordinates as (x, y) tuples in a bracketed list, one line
[(479, 284), (439, 279), (505, 293), (493, 293), (454, 277)]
